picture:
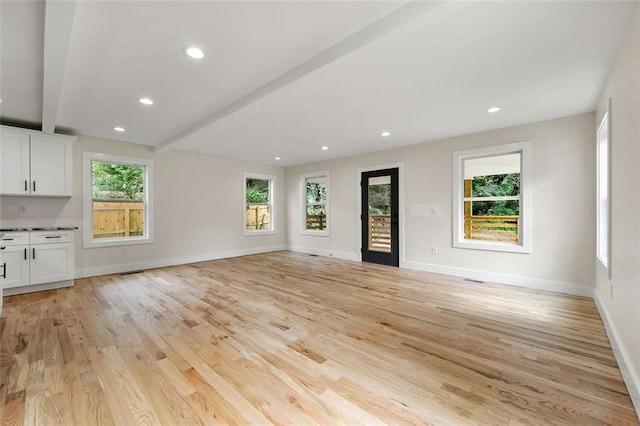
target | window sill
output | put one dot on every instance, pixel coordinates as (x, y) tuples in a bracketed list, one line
[(491, 246), (116, 242), (315, 233), (255, 233), (604, 267)]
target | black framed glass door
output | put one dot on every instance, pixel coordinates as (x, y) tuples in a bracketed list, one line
[(379, 217)]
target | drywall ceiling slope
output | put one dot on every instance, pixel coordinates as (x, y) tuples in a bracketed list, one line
[(284, 78), (537, 60), (125, 50)]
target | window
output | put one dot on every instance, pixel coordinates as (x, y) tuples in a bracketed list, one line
[(259, 215), (116, 200), (603, 188), (315, 203), (492, 198)]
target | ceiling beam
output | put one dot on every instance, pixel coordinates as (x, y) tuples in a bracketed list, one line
[(418, 12), (58, 25)]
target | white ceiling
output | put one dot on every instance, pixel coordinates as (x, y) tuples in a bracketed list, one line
[(284, 78)]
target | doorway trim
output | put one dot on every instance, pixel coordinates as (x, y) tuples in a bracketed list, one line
[(401, 210)]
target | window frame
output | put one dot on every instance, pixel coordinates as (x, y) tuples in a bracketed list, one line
[(603, 209), (303, 204), (525, 225), (87, 200), (272, 208)]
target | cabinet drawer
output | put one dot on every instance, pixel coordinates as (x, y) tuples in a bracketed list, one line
[(49, 237), (15, 239)]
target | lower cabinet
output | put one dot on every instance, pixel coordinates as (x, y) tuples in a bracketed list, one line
[(17, 266), (51, 262), (49, 258)]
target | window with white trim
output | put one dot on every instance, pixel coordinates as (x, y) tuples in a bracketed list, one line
[(117, 193), (314, 193), (603, 188), (492, 198), (258, 196)]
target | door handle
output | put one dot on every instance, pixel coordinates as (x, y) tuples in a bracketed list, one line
[(2, 248), (34, 186), (34, 253), (26, 186), (25, 254), (4, 270), (54, 236)]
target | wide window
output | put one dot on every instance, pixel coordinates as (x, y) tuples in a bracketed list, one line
[(117, 200), (259, 215), (603, 141), (315, 203), (492, 204)]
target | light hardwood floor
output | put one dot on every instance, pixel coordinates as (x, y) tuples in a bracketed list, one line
[(288, 338)]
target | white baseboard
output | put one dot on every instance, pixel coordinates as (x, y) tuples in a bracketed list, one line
[(517, 280), (327, 253), (137, 266), (630, 376)]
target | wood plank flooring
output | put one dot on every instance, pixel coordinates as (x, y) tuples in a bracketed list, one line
[(287, 338)]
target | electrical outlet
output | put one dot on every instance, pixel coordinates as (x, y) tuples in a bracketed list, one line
[(22, 208), (434, 250)]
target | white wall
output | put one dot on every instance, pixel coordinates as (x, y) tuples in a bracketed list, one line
[(563, 199), (197, 210), (623, 309)]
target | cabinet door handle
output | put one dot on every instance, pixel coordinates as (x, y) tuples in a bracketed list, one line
[(26, 186), (4, 270), (7, 239), (3, 247), (34, 186), (54, 236), (25, 254), (34, 253)]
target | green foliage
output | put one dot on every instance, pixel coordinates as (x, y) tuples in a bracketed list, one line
[(316, 194), (496, 186), (496, 208), (380, 199), (257, 191), (117, 181)]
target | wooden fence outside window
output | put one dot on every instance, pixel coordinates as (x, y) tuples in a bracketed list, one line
[(118, 218)]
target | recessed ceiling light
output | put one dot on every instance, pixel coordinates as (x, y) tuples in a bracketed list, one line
[(277, 158), (145, 101), (493, 109), (118, 129), (385, 134), (194, 52), (324, 148)]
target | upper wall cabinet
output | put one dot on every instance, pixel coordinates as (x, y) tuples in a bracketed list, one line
[(35, 164)]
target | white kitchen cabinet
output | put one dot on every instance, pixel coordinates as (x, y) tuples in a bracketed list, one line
[(14, 163), (35, 164), (16, 262), (38, 260), (15, 258), (51, 262), (4, 268)]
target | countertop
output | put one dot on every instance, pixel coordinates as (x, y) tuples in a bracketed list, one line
[(38, 228)]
